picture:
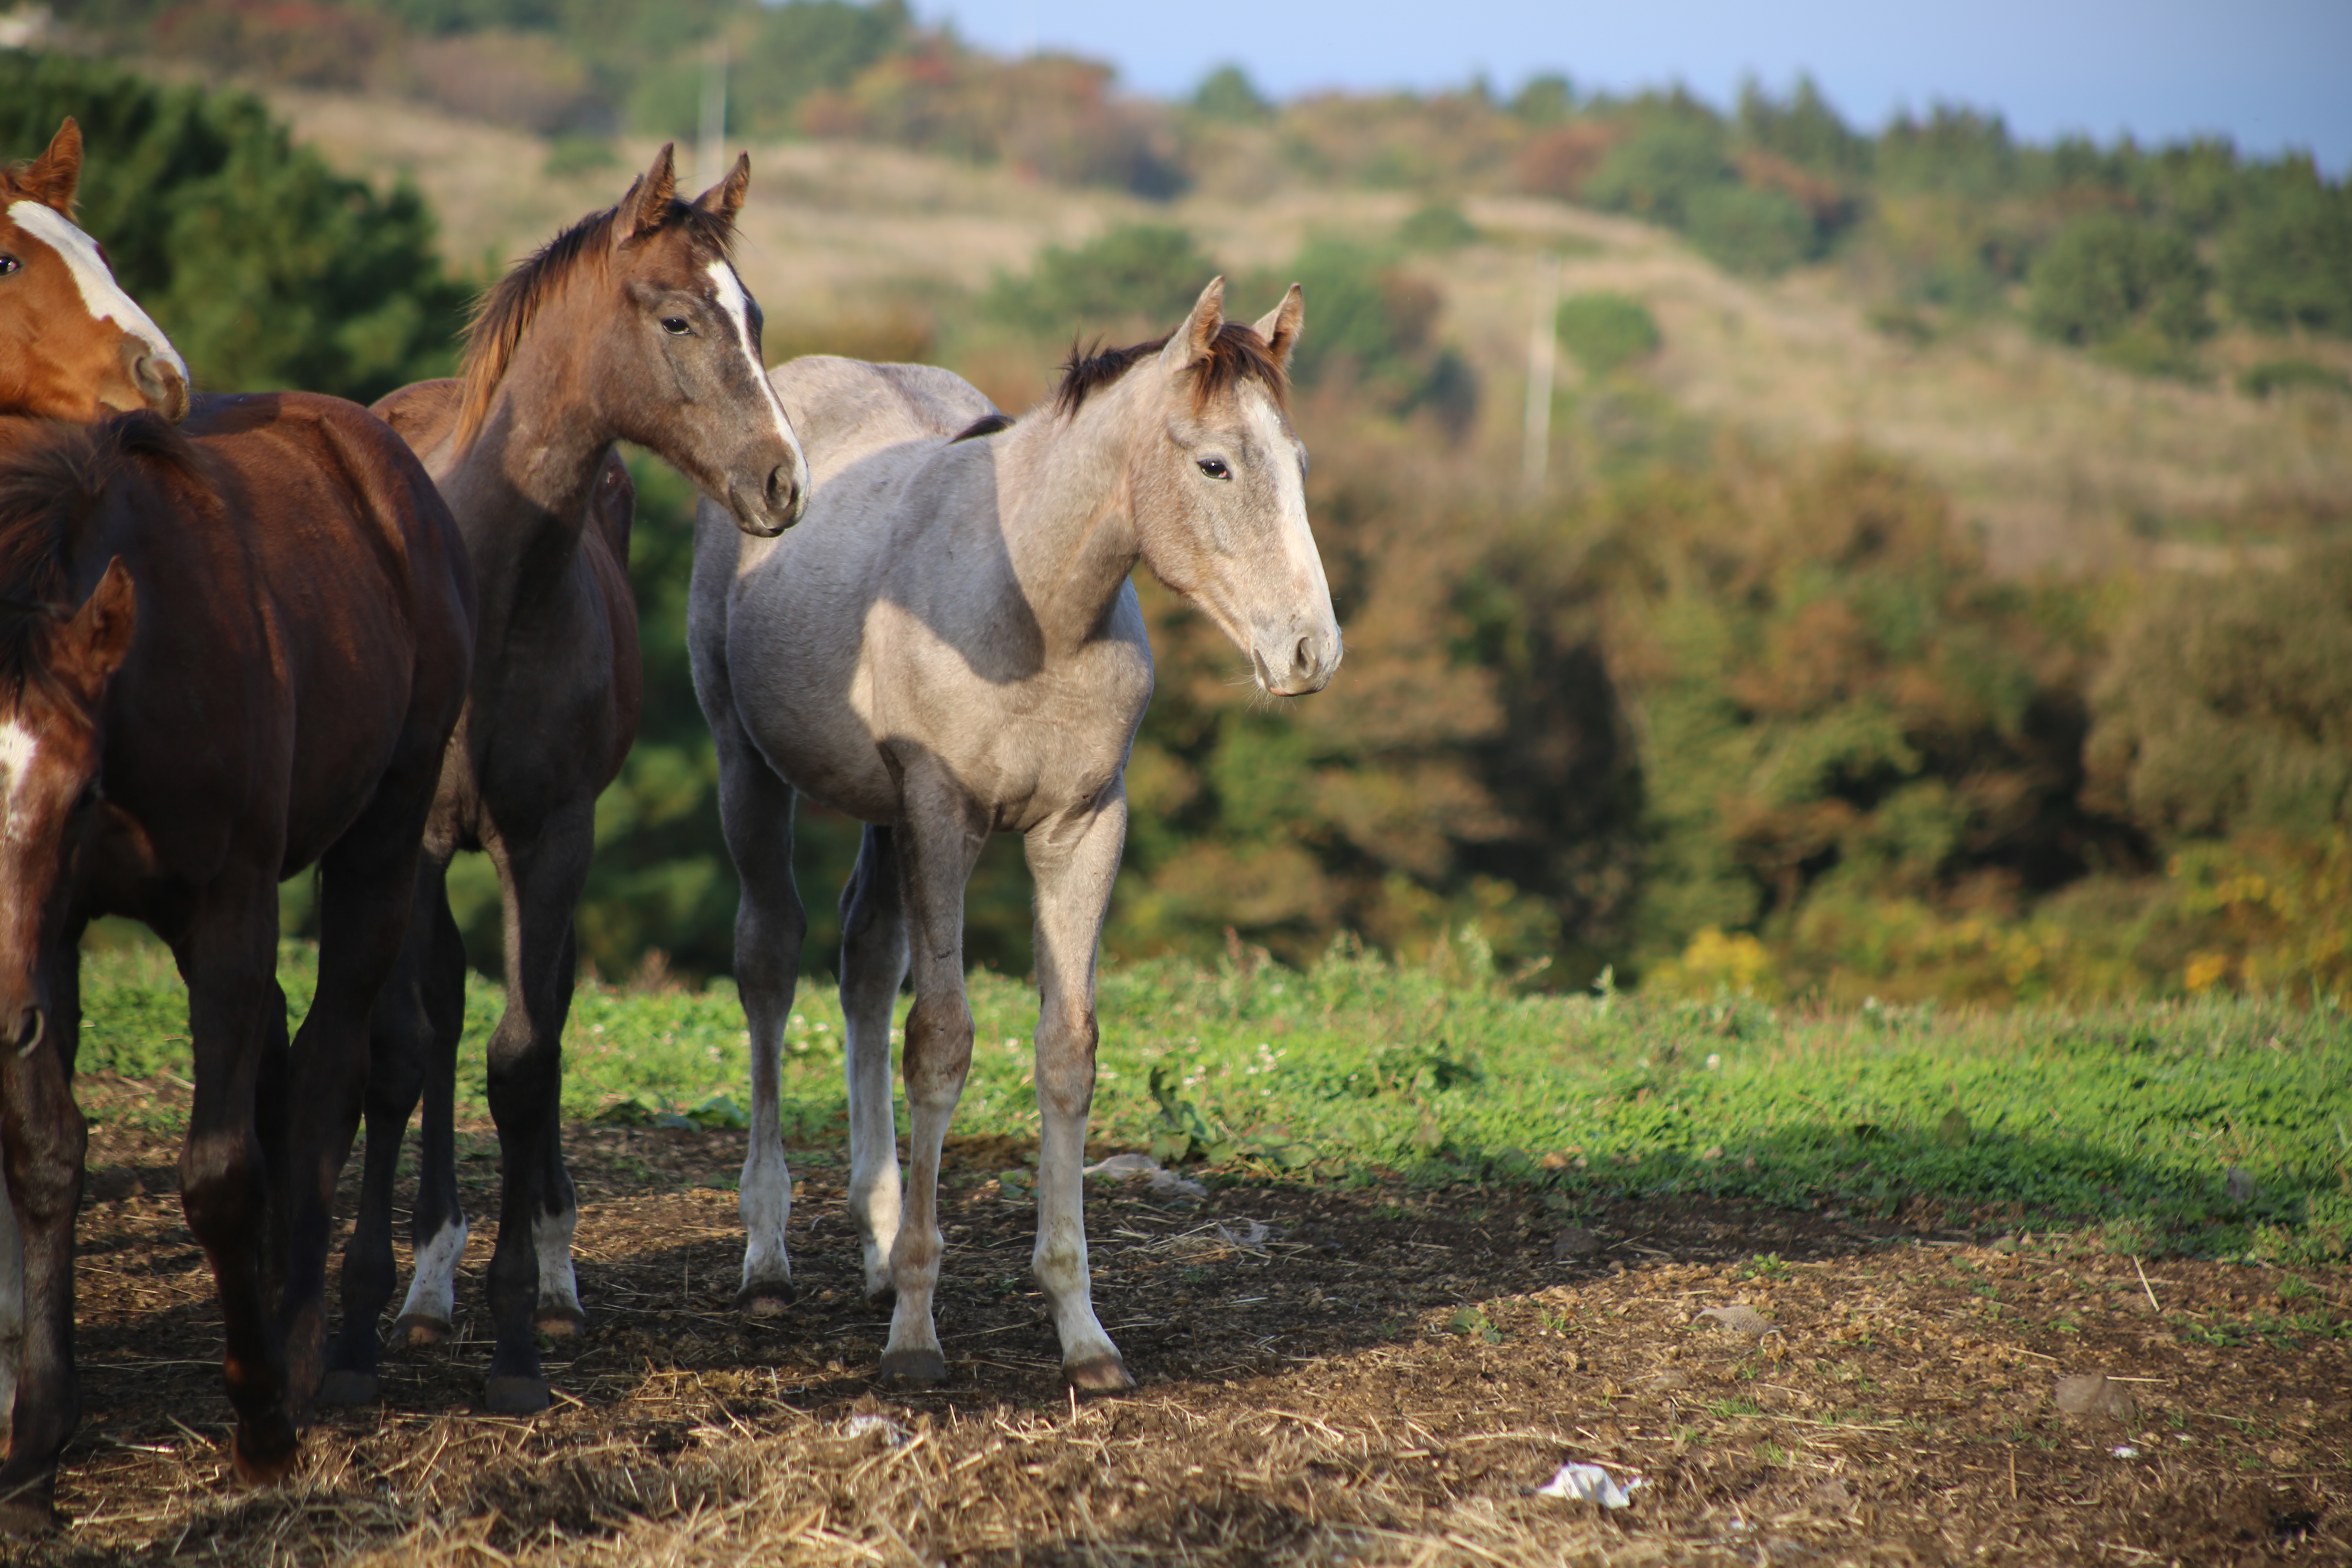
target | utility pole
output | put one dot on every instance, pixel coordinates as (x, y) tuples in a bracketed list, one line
[(710, 150), (1542, 353)]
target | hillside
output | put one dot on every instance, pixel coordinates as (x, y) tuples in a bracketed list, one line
[(2058, 460)]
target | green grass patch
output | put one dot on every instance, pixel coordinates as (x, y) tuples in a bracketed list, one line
[(2121, 1124)]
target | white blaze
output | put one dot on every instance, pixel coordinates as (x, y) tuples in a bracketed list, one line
[(737, 306), (17, 749), (100, 294)]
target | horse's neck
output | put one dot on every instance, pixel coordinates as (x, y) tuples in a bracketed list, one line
[(1063, 501), (521, 488)]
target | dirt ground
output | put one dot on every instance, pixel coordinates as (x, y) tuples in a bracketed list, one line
[(1386, 1376)]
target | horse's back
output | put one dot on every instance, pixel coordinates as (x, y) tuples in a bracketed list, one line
[(846, 410), (361, 591)]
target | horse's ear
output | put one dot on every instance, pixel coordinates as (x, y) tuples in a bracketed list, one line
[(55, 176), (1191, 344), (1280, 326), (726, 197), (645, 206), (90, 646)]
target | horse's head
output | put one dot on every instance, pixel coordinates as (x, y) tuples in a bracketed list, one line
[(660, 338), (73, 345), (53, 678), (1218, 482)]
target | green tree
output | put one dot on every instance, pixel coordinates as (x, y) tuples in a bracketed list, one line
[(1805, 129), (1657, 172), (1142, 275), (1747, 229), (267, 268), (2287, 263), (2109, 273), (1227, 93)]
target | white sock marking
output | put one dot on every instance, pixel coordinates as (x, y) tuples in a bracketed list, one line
[(100, 294), (767, 1206), (559, 1288), (433, 1293)]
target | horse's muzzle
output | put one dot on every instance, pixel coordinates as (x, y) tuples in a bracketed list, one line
[(773, 507)]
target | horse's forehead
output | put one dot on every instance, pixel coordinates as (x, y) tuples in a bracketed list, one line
[(102, 296), (19, 748)]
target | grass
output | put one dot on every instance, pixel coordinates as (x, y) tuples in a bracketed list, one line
[(2122, 1125)]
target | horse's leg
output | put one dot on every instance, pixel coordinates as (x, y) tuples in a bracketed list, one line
[(873, 964), (937, 837), (1073, 861), (755, 808), (43, 1139), (543, 874), (367, 885), (437, 1228), (228, 957), (399, 1045)]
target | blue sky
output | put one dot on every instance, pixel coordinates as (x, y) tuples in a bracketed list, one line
[(2270, 74)]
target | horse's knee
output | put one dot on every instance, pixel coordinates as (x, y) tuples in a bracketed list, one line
[(221, 1187), (939, 1044)]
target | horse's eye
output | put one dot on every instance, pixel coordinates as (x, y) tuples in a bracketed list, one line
[(676, 326), (9, 264), (1215, 469)]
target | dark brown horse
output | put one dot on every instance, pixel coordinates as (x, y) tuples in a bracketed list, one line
[(632, 325), (230, 650), (73, 345)]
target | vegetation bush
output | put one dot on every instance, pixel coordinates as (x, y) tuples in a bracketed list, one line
[(2109, 274), (1135, 279), (1603, 331), (2287, 264), (267, 268)]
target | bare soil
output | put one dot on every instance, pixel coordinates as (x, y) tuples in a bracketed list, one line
[(1386, 1376)]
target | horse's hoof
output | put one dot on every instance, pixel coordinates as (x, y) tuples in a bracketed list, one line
[(515, 1395), (1098, 1375), (27, 1517), (560, 1322), (912, 1369), (260, 1464), (348, 1389), (416, 1330), (768, 1299)]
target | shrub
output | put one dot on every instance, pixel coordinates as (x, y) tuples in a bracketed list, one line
[(1141, 275), (2108, 274), (2288, 262), (1749, 230), (1655, 173), (267, 268), (2266, 377), (2226, 705), (1604, 331), (1437, 226), (1227, 93)]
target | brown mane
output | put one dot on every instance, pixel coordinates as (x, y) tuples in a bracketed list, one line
[(507, 308), (50, 486), (1236, 354)]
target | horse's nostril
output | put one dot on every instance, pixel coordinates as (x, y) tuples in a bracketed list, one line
[(782, 488), (31, 1024), (1302, 658), (160, 382)]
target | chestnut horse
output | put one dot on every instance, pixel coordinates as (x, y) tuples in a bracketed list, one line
[(229, 649), (73, 345), (632, 325)]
